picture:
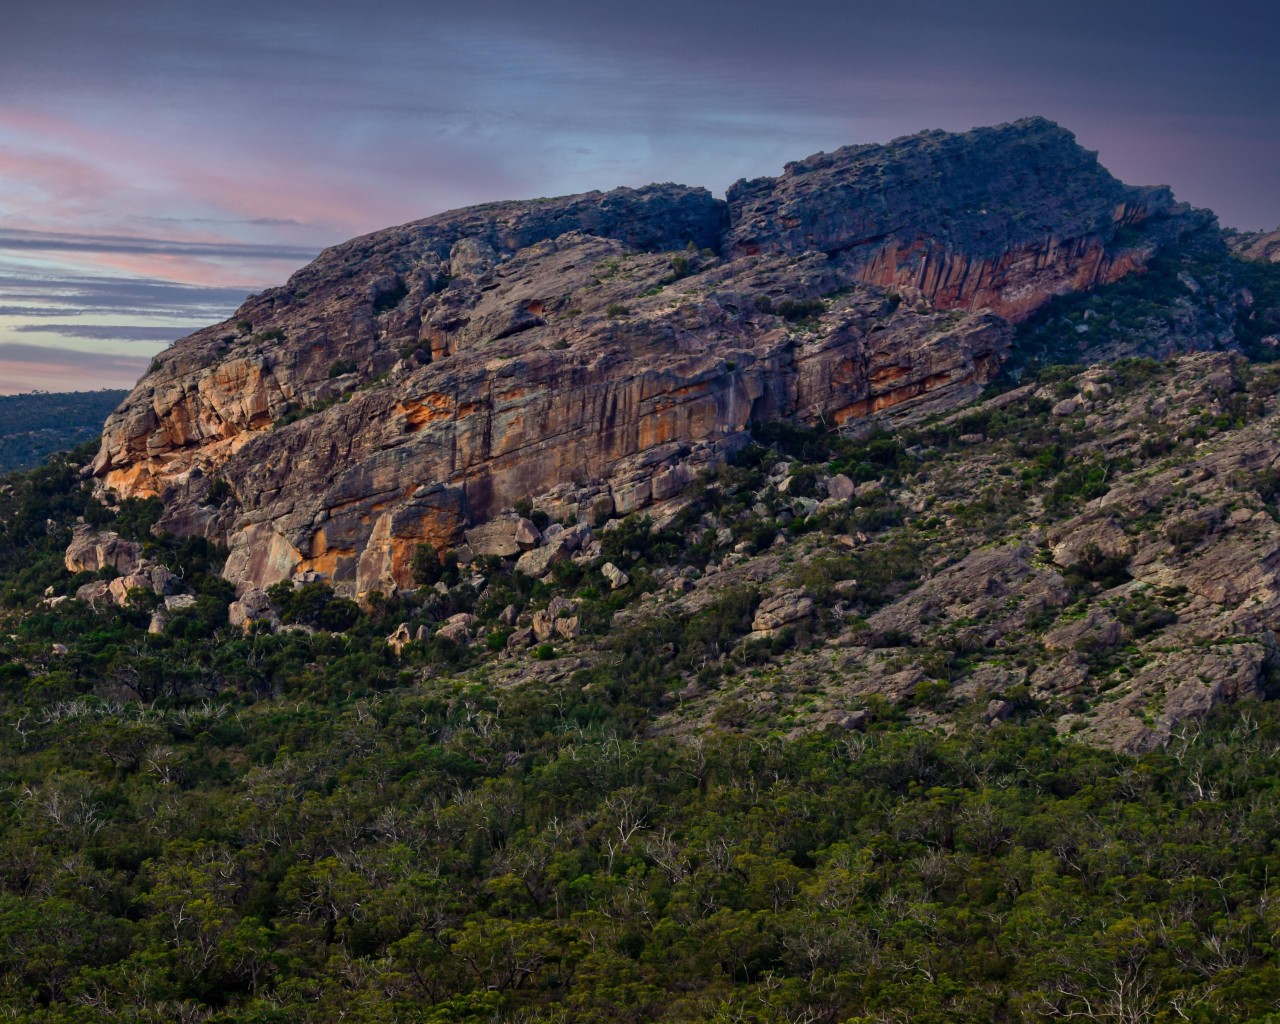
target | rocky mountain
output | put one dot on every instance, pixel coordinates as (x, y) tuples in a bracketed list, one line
[(817, 606), (595, 352)]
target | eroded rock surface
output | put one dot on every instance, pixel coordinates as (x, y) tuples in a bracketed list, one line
[(415, 382), (92, 550), (996, 218)]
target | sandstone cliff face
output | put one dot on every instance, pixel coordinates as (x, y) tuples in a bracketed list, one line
[(999, 218), (420, 379)]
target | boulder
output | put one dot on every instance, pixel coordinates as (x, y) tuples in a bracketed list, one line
[(553, 620), (172, 605), (616, 577), (91, 550), (520, 638), (781, 609), (558, 544), (544, 625), (538, 562), (840, 487), (397, 640), (503, 537), (153, 578), (457, 632), (559, 606), (92, 593), (252, 606), (527, 535)]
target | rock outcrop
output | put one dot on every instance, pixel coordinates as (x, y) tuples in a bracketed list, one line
[(92, 550), (996, 218), (1262, 246), (415, 382)]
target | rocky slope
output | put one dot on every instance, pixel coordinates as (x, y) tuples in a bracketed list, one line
[(1099, 548), (1263, 246), (605, 347)]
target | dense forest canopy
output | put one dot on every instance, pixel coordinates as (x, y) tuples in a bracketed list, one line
[(37, 425)]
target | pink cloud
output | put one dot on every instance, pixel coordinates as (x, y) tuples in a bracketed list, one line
[(20, 376)]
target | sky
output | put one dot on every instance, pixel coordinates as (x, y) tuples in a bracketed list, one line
[(162, 159)]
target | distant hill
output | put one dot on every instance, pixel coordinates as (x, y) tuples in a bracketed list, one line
[(37, 425)]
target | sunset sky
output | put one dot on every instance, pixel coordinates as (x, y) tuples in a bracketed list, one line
[(160, 159)]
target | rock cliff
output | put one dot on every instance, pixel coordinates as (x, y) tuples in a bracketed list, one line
[(418, 380), (999, 218)]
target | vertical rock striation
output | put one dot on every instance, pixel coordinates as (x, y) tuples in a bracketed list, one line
[(418, 380)]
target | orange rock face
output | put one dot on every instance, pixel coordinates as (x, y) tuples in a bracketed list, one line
[(997, 218), (421, 379)]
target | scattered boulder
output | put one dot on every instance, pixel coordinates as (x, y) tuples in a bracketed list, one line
[(558, 543), (538, 562), (397, 640), (555, 620), (850, 721), (503, 537), (91, 550), (172, 604), (781, 609), (616, 577), (457, 629), (840, 487), (252, 606), (544, 625), (527, 534), (154, 578), (558, 606), (92, 593), (520, 638)]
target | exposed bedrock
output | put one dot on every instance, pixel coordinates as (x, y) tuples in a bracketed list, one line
[(418, 380)]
